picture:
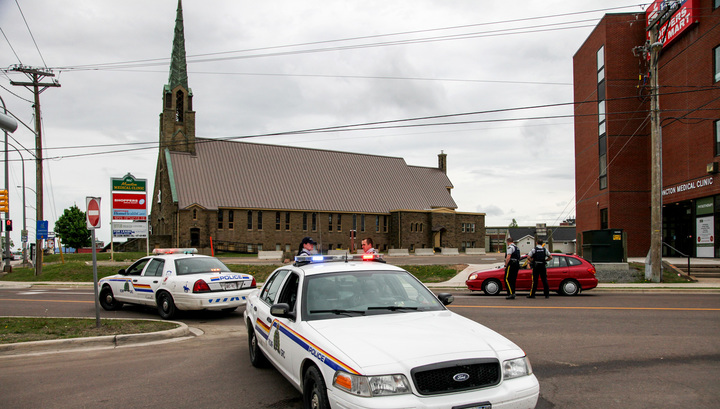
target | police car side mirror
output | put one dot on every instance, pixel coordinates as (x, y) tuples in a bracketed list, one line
[(446, 298), (282, 310), (122, 272)]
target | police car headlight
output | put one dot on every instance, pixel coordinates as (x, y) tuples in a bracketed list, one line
[(515, 368), (371, 385)]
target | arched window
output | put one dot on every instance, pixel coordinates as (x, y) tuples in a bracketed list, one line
[(179, 98)]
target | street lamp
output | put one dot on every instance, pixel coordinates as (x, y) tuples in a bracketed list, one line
[(8, 124)]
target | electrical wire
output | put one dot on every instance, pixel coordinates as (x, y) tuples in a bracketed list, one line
[(10, 44), (31, 34)]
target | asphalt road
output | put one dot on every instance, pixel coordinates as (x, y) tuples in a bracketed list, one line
[(595, 350)]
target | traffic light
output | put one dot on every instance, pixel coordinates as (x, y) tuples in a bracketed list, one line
[(4, 203), (8, 225)]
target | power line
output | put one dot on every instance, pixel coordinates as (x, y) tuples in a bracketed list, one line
[(10, 44), (31, 34)]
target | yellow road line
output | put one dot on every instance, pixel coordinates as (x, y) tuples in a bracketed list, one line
[(36, 300)]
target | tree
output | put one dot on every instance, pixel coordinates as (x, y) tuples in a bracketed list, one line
[(71, 228), (513, 223)]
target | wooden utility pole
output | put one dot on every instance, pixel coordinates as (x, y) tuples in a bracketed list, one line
[(656, 182), (36, 75)]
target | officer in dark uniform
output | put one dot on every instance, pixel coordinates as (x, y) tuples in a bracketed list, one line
[(538, 257), (512, 265)]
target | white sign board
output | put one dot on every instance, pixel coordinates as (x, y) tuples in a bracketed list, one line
[(130, 229), (705, 236)]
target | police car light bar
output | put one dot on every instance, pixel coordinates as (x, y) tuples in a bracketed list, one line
[(175, 251), (335, 258)]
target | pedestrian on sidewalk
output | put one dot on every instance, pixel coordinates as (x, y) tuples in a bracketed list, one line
[(512, 265), (538, 256)]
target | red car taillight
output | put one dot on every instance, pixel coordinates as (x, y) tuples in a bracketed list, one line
[(200, 286), (591, 270), (254, 283)]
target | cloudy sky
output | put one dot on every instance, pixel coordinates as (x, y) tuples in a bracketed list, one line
[(486, 82)]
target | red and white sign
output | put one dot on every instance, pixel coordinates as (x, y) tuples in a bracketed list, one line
[(682, 19), (93, 212), (129, 201)]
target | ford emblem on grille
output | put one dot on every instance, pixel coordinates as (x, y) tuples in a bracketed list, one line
[(461, 377)]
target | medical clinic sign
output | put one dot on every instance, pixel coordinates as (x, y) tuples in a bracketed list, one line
[(129, 207), (683, 15)]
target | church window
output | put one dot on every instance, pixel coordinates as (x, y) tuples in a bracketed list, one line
[(179, 98), (168, 100), (287, 221), (277, 222), (194, 214), (249, 220), (231, 219), (220, 218), (259, 220)]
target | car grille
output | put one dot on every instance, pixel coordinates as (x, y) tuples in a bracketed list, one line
[(454, 376)]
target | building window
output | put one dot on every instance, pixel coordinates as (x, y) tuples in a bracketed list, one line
[(717, 137), (601, 64), (421, 227), (412, 227), (220, 219), (339, 222), (314, 222), (377, 224), (385, 224), (179, 98), (354, 224), (194, 214), (287, 248), (249, 220), (362, 222), (259, 247), (277, 222), (278, 247), (304, 221), (602, 120), (259, 219), (604, 218), (716, 4), (330, 224), (231, 219), (249, 248), (287, 221), (716, 54)]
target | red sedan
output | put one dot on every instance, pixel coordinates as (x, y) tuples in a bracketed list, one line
[(567, 274)]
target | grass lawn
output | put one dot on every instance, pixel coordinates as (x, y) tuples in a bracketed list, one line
[(20, 329)]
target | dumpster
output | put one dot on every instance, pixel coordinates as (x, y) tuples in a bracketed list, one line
[(603, 246)]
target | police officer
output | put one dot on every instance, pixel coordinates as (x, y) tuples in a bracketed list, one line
[(512, 265), (307, 247), (538, 257)]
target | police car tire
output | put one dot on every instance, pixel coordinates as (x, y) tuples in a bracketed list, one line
[(314, 390), (108, 301), (165, 305), (257, 358)]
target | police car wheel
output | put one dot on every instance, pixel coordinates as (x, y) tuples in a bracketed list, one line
[(314, 390), (165, 305), (569, 287), (108, 301), (257, 359), (491, 287)]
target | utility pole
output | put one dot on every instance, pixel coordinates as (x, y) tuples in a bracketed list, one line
[(36, 75)]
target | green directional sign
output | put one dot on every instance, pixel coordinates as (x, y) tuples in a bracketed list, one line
[(128, 183)]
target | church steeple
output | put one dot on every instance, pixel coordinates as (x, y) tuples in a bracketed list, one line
[(178, 64), (177, 121)]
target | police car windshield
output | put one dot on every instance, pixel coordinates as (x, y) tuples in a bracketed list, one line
[(198, 265), (352, 294)]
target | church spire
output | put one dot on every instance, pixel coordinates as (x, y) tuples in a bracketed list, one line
[(178, 64)]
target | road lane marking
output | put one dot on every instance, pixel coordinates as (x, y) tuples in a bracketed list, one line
[(21, 299), (586, 308)]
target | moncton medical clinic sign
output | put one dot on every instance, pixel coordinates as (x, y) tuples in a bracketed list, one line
[(684, 15), (129, 207)]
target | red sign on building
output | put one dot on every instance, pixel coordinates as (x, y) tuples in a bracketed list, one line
[(682, 19), (129, 201)]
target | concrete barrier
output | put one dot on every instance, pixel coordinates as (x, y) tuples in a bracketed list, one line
[(424, 252), (398, 252), (270, 255), (474, 251), (614, 273), (447, 251)]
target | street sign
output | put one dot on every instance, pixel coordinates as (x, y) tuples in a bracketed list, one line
[(41, 230), (93, 212)]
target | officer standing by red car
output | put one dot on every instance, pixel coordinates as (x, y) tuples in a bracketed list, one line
[(538, 257), (512, 265)]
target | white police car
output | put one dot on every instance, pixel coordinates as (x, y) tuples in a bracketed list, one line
[(357, 333), (176, 279)]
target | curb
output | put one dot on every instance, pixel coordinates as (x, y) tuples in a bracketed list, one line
[(105, 341)]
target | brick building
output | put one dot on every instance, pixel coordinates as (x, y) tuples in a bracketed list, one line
[(248, 197), (612, 129)]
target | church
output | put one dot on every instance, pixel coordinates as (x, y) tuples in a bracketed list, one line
[(247, 197)]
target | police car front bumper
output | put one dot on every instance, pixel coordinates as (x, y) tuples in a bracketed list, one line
[(518, 393)]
